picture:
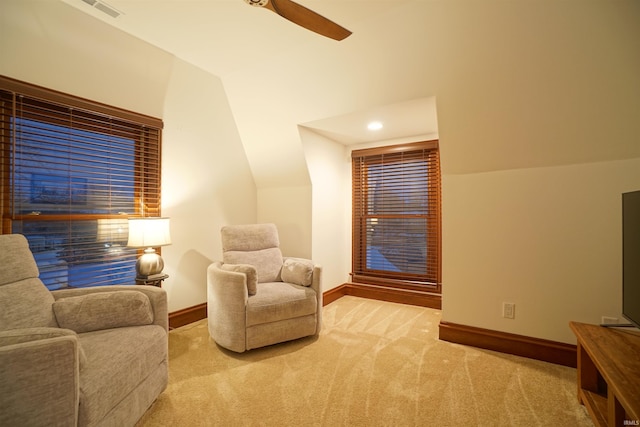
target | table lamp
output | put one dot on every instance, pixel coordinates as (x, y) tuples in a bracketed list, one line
[(149, 233)]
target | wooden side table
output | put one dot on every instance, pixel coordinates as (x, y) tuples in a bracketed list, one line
[(152, 280), (608, 374)]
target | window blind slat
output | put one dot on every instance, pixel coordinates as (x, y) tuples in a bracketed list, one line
[(70, 179), (396, 214)]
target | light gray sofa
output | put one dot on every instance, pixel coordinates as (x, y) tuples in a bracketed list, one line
[(86, 357), (256, 297)]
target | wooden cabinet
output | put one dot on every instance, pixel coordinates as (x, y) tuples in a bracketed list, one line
[(609, 374)]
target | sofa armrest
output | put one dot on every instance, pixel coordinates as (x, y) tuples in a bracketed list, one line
[(39, 380), (227, 297), (157, 297)]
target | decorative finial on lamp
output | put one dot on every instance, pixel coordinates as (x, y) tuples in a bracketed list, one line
[(149, 233)]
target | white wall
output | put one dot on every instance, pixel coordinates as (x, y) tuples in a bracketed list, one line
[(289, 208), (547, 239), (205, 174), (330, 170), (206, 180)]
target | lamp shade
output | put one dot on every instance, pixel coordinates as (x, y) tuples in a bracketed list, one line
[(148, 232)]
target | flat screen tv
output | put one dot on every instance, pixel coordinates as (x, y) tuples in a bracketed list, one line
[(631, 257)]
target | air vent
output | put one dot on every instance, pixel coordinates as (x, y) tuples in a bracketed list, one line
[(103, 7)]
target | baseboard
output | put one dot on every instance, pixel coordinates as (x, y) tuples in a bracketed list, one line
[(187, 315), (402, 296), (519, 345)]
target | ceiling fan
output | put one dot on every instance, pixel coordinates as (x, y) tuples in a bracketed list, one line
[(304, 17)]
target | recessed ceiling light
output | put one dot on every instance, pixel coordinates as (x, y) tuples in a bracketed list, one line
[(374, 126)]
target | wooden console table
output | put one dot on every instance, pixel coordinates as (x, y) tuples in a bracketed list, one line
[(608, 374)]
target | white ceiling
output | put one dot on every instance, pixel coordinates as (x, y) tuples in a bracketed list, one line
[(399, 120), (227, 36), (223, 36)]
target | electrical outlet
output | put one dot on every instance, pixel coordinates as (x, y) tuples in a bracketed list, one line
[(508, 310), (606, 320)]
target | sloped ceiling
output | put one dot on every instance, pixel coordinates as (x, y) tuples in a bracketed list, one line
[(223, 36), (517, 84)]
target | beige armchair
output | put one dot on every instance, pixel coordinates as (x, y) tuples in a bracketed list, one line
[(85, 357), (257, 297)]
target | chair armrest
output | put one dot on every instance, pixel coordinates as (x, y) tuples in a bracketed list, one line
[(157, 297), (39, 379), (316, 285), (316, 278), (227, 297)]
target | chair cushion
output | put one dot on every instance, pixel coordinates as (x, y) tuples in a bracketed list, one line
[(103, 310), (118, 360), (24, 300), (268, 262), (249, 271), (16, 259), (276, 301), (26, 304), (250, 237), (297, 271)]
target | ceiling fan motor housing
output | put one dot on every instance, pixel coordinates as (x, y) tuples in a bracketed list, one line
[(260, 3)]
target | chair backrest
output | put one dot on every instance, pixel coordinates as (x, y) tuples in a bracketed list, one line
[(24, 300), (254, 244)]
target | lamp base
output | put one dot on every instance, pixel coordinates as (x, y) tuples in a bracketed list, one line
[(150, 263)]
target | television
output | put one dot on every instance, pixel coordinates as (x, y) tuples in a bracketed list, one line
[(631, 257)]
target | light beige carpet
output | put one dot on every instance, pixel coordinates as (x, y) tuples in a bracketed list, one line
[(374, 364)]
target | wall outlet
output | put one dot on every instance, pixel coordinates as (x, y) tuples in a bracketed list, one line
[(606, 320), (508, 310)]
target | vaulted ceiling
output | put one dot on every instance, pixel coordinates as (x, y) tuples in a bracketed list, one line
[(223, 36), (517, 84)]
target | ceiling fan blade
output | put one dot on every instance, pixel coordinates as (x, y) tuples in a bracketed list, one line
[(304, 17)]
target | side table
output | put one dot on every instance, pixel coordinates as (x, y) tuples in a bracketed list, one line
[(151, 280)]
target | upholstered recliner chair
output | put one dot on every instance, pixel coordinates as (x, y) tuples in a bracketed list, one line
[(76, 357), (257, 297)]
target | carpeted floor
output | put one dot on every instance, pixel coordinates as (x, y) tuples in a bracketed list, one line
[(374, 364)]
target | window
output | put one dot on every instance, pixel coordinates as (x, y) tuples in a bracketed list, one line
[(73, 171), (396, 216)]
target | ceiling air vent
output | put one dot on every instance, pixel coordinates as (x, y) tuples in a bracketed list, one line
[(103, 7)]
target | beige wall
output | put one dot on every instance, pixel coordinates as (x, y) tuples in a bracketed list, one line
[(289, 207), (330, 171), (547, 239), (206, 180)]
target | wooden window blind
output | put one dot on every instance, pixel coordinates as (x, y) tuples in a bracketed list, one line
[(396, 216), (73, 171)]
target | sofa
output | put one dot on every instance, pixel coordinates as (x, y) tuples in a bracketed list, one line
[(76, 357)]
